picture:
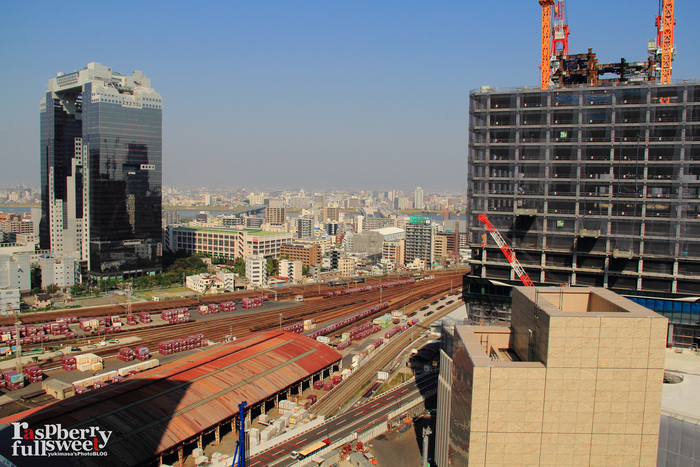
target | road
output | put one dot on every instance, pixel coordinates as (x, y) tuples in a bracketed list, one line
[(344, 425)]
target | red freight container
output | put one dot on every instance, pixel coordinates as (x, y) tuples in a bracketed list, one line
[(328, 386), (337, 379), (318, 384), (312, 398)]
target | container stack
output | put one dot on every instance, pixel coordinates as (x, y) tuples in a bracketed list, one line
[(309, 324), (145, 317), (142, 353), (343, 344), (213, 308), (254, 437), (126, 354), (176, 315), (69, 362), (286, 406), (225, 307), (13, 380), (296, 327), (89, 362), (33, 373), (181, 344), (254, 302)]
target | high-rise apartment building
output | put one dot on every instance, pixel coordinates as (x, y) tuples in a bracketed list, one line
[(275, 212), (101, 172), (305, 227), (418, 202), (419, 240), (592, 185)]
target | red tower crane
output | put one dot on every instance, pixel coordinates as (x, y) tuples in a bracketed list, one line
[(545, 66), (560, 30), (509, 254), (664, 39)]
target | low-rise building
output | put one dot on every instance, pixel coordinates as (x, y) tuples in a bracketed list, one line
[(291, 269), (205, 284), (346, 266), (226, 243), (63, 272), (308, 253), (256, 270)]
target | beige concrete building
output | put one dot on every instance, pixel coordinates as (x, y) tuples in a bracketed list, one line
[(346, 266), (575, 380), (393, 252)]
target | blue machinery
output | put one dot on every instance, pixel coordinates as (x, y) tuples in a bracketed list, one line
[(239, 455)]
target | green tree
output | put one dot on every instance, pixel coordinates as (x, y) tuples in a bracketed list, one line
[(52, 288), (273, 267), (304, 270), (239, 266)]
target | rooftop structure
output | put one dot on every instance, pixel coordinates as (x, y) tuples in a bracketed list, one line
[(576, 379)]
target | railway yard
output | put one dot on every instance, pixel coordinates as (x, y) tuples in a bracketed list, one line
[(328, 306)]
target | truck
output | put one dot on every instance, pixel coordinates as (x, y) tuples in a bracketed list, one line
[(310, 450)]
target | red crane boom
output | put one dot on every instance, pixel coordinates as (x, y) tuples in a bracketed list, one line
[(509, 254)]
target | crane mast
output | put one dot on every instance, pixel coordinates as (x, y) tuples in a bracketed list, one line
[(545, 66), (664, 25), (560, 31), (507, 251)]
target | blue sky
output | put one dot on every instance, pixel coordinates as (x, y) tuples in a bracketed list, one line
[(315, 94)]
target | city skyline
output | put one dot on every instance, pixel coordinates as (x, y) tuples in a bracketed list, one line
[(370, 96)]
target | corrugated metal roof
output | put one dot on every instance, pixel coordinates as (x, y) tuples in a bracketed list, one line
[(154, 412)]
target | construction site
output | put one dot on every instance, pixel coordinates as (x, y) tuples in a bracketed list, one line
[(592, 178)]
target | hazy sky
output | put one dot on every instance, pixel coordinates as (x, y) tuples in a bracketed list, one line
[(319, 94)]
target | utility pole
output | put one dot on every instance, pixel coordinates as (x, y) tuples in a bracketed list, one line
[(426, 433)]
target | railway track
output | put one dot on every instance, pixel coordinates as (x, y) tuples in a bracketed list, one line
[(340, 395), (239, 324)]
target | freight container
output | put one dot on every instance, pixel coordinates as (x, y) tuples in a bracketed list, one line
[(337, 379), (318, 384), (83, 366), (324, 339), (328, 385), (312, 398)]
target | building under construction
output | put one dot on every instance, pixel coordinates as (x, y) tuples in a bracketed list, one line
[(593, 181)]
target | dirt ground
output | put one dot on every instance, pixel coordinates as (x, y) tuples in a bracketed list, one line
[(404, 449)]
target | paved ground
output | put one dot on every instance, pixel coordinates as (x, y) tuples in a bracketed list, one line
[(403, 449)]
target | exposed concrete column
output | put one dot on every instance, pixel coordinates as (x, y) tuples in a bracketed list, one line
[(217, 434), (199, 441), (180, 455), (248, 418), (300, 389), (277, 400), (234, 426), (262, 408)]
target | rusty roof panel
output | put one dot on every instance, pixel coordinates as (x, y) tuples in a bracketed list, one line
[(157, 410)]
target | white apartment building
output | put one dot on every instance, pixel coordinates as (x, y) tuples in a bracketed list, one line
[(9, 300), (63, 272), (256, 270), (291, 270), (15, 272)]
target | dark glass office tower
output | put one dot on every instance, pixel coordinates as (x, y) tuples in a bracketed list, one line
[(101, 169)]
